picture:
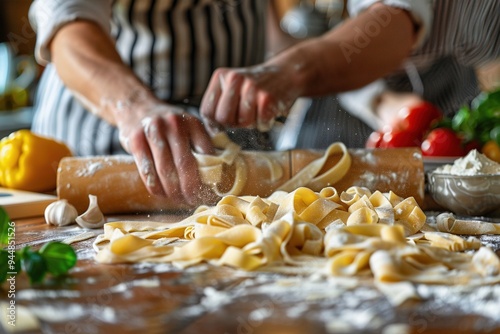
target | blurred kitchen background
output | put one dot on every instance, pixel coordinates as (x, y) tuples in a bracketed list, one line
[(19, 73)]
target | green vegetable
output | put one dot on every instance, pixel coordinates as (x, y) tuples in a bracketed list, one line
[(59, 257), (481, 121), (488, 104), (34, 264), (55, 258)]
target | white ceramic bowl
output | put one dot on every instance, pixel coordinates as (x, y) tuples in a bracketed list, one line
[(474, 195)]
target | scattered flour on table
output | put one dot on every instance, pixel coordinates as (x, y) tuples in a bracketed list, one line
[(341, 304), (344, 305), (473, 163)]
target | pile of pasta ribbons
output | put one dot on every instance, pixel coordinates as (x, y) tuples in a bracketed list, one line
[(355, 233)]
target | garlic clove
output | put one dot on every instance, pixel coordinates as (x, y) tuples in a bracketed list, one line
[(60, 213), (93, 217)]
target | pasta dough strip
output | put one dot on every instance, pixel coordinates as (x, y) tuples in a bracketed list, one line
[(446, 222), (308, 176)]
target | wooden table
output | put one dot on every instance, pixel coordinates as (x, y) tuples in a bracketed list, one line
[(146, 298)]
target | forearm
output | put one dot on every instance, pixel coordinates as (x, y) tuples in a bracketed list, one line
[(352, 55), (87, 62), (277, 39)]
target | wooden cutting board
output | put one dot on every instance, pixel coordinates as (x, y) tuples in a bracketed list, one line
[(24, 204)]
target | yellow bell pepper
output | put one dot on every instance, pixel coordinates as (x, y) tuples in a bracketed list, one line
[(29, 161)]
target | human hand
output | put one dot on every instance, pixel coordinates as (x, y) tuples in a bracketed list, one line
[(405, 120), (389, 107), (248, 97), (162, 140)]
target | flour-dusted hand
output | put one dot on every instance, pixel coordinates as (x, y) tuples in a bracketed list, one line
[(249, 97), (162, 139)]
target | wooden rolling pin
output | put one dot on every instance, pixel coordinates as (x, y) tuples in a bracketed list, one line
[(119, 189)]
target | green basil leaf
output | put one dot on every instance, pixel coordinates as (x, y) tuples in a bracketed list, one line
[(59, 257), (464, 122), (4, 228), (34, 265), (487, 104)]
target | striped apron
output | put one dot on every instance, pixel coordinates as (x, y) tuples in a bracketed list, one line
[(173, 46)]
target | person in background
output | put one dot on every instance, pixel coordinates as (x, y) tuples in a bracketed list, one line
[(124, 76), (422, 49)]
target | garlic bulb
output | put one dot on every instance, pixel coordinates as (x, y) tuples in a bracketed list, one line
[(60, 213), (93, 217)]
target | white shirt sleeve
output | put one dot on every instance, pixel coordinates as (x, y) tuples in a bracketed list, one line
[(48, 16), (360, 102), (420, 10)]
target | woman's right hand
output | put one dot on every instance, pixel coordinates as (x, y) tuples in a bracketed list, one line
[(162, 139)]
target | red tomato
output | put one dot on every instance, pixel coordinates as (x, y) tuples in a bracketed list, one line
[(442, 142), (400, 138), (374, 140), (419, 118)]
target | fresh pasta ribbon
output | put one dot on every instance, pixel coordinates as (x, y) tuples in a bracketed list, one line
[(310, 176), (452, 242), (446, 222), (354, 233), (350, 248), (212, 167), (435, 266)]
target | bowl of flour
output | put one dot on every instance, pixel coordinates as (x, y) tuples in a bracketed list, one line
[(469, 186)]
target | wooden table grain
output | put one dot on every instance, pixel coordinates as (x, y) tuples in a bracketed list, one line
[(147, 298)]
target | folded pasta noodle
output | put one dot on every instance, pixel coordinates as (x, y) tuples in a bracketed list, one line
[(446, 222), (348, 234)]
